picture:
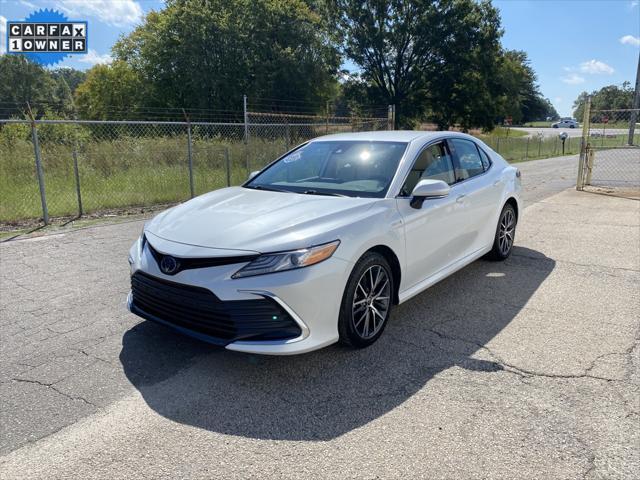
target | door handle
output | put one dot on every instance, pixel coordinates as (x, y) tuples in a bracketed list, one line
[(460, 198)]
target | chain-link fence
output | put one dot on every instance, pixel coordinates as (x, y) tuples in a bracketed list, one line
[(62, 168), (610, 157)]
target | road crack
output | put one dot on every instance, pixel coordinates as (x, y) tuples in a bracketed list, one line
[(55, 389)]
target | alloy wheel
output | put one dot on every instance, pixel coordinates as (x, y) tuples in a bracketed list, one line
[(506, 231), (371, 301)]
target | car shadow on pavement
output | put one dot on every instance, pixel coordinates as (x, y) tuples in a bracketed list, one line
[(324, 394)]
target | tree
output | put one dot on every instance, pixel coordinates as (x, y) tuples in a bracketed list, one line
[(521, 98), (208, 53), (611, 97), (71, 76), (110, 92), (23, 81), (437, 57)]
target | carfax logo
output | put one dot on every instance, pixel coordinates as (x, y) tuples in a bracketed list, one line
[(46, 37)]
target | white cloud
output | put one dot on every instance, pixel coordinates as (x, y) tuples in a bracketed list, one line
[(558, 99), (633, 4), (28, 4), (117, 13), (630, 40), (596, 67), (93, 58), (573, 79), (3, 33)]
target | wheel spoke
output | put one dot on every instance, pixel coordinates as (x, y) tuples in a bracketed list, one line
[(371, 301)]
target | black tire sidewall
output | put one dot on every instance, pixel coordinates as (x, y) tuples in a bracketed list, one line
[(346, 329), (495, 253)]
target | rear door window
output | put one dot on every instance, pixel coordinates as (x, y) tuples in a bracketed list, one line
[(469, 163)]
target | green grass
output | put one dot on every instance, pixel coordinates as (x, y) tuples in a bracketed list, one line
[(124, 171), (539, 124), (504, 132)]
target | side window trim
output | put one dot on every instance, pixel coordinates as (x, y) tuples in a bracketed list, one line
[(445, 144), (456, 162), (481, 152)]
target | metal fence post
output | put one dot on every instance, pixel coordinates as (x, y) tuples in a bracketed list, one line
[(590, 157), (190, 158), (539, 145), (636, 106), (227, 165), (326, 111), (287, 135), (498, 145), (526, 153), (584, 144), (76, 172), (246, 133), (40, 173)]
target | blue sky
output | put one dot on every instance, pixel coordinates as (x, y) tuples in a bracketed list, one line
[(574, 45)]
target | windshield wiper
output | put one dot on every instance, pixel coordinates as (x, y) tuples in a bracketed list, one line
[(270, 189), (329, 194)]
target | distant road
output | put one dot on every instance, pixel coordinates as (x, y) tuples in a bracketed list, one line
[(572, 132)]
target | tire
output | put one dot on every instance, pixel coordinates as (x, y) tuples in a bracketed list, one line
[(505, 234), (555, 126), (363, 315), (572, 126)]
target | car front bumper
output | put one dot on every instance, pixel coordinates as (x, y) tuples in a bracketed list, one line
[(310, 296)]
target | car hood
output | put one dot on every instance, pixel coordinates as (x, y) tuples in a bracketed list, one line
[(238, 218)]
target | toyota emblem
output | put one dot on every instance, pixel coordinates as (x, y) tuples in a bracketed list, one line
[(169, 265)]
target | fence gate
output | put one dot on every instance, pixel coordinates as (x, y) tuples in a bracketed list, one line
[(610, 153)]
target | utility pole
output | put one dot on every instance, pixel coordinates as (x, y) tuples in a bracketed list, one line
[(636, 106)]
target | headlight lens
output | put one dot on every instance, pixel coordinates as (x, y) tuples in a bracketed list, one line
[(279, 262)]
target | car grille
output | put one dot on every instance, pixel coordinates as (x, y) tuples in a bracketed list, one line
[(189, 263), (199, 310)]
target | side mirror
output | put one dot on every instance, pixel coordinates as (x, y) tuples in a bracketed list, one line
[(426, 189), (253, 174)]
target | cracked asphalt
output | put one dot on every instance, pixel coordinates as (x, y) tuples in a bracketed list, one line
[(527, 368)]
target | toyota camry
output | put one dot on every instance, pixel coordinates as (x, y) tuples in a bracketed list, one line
[(319, 245)]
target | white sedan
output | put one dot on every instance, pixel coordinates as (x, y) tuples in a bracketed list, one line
[(565, 123), (320, 245)]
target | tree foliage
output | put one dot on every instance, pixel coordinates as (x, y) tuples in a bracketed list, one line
[(611, 97), (208, 53), (47, 91), (521, 98), (110, 92), (438, 57)]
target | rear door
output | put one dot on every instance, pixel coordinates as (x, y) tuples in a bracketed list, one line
[(483, 191), (434, 233)]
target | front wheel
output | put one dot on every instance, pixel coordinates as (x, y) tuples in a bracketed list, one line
[(505, 234), (366, 302)]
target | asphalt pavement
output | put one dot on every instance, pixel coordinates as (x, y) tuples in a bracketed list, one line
[(527, 368), (571, 132)]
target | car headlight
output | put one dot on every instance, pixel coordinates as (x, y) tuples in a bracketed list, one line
[(279, 262)]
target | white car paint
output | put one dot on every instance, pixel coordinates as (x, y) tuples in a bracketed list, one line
[(565, 123), (429, 243)]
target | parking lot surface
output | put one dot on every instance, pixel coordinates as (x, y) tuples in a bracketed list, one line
[(527, 368)]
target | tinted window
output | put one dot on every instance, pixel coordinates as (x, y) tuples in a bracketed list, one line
[(468, 156), (435, 163), (352, 168), (486, 162)]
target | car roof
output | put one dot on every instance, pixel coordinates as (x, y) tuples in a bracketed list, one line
[(388, 136)]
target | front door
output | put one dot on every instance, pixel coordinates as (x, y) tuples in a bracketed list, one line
[(435, 232)]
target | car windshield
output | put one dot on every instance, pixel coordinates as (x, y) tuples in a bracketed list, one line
[(340, 168)]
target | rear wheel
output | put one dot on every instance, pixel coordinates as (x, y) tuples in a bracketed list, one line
[(505, 234), (366, 302)]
